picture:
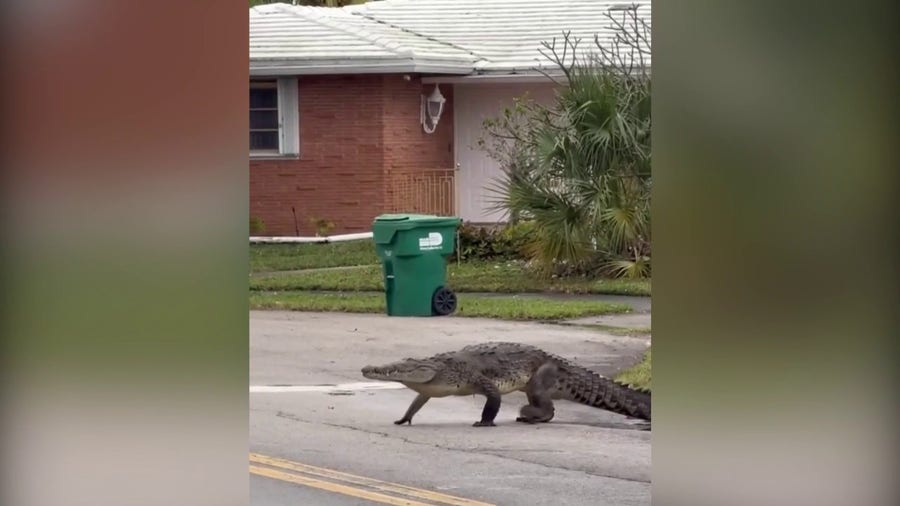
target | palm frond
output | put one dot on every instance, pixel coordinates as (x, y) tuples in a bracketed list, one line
[(580, 168)]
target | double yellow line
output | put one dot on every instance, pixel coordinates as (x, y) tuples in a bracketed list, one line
[(352, 485)]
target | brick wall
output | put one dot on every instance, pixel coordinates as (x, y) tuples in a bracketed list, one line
[(356, 132)]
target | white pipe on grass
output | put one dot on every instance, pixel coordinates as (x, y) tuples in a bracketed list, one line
[(331, 238)]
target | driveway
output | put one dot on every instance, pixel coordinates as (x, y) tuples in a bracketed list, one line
[(320, 433)]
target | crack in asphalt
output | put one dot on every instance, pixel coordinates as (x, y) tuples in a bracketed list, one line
[(478, 450)]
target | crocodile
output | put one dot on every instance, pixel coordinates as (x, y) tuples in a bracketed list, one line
[(496, 368)]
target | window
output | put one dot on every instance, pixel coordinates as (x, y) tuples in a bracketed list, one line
[(274, 117), (264, 131)]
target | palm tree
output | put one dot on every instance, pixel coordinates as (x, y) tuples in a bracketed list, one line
[(580, 169)]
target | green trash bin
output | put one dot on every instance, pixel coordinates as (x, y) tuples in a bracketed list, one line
[(413, 249)]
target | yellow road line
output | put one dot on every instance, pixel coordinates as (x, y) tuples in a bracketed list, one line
[(384, 486), (333, 487)]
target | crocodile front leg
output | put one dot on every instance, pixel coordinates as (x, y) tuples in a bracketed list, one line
[(416, 405), (491, 406)]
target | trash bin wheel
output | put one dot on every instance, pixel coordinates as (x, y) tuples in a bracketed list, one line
[(443, 302)]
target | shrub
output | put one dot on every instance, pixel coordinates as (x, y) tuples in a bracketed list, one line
[(323, 227), (509, 242), (257, 226)]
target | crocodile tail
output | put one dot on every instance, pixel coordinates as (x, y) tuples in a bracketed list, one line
[(584, 386)]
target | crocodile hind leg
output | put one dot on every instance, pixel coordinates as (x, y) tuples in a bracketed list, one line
[(491, 405), (536, 412), (539, 391), (416, 405)]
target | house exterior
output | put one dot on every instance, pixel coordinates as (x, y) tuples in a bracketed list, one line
[(341, 127)]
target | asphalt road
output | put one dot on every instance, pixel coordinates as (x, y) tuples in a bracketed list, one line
[(321, 434)]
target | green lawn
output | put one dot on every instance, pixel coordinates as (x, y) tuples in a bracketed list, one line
[(287, 257), (637, 376), (503, 277), (614, 330), (502, 307)]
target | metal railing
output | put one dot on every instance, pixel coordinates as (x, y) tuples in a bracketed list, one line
[(430, 191)]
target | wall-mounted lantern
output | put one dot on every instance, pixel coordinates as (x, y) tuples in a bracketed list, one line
[(432, 107)]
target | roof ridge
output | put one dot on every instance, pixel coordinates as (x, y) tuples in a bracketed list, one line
[(318, 16), (357, 10)]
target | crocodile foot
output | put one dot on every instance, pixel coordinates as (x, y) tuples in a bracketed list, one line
[(484, 424)]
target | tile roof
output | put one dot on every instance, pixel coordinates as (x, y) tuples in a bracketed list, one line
[(428, 36), (309, 40)]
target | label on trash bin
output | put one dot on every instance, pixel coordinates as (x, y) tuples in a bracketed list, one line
[(433, 241)]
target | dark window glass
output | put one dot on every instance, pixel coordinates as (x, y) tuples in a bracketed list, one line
[(264, 130), (263, 120), (263, 98), (264, 140)]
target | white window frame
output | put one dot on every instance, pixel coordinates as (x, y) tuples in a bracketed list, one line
[(288, 120)]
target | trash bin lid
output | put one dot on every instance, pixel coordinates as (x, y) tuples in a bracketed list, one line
[(417, 219), (396, 217), (386, 225)]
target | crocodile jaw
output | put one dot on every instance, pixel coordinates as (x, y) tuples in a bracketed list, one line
[(405, 371)]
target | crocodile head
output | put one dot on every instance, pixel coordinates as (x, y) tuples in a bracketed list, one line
[(410, 370)]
